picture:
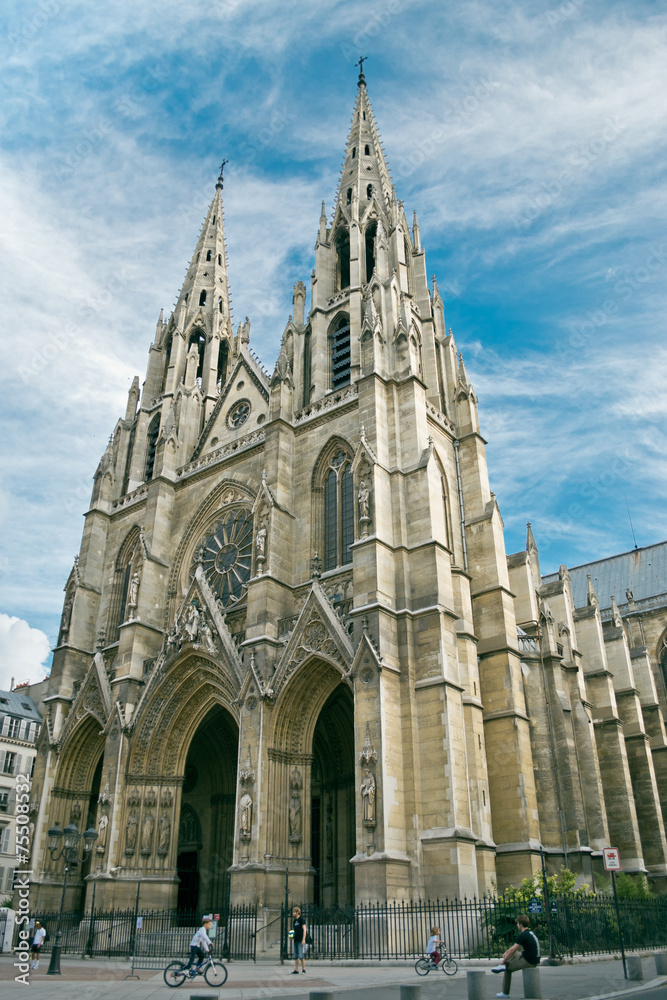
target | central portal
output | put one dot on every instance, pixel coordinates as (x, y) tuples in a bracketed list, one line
[(332, 804), (206, 826)]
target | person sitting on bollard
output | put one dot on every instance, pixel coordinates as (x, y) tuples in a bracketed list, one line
[(511, 961)]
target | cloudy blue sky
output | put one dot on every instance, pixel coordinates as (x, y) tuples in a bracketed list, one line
[(529, 136)]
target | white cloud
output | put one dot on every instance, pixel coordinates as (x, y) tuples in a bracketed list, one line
[(23, 651)]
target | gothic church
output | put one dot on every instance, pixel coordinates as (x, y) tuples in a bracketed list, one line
[(293, 638)]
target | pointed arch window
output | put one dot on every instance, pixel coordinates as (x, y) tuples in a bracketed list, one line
[(223, 354), (202, 297), (371, 233), (219, 258), (199, 340), (340, 353), (167, 358), (151, 445), (342, 260), (307, 367), (369, 192), (338, 512), (349, 196), (127, 562), (367, 150), (354, 152)]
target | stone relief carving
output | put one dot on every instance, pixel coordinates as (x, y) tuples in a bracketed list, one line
[(245, 811), (368, 797)]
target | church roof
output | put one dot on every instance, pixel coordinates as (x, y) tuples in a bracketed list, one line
[(642, 571)]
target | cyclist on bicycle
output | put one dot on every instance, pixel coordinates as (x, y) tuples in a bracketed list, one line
[(432, 946), (199, 946)]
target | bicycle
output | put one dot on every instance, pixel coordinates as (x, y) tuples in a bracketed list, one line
[(214, 972), (424, 965)]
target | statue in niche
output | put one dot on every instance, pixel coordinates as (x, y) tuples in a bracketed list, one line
[(75, 813), (102, 829), (245, 809), (164, 834), (260, 542), (134, 590), (295, 807), (368, 796), (131, 833), (66, 618), (364, 497), (147, 828)]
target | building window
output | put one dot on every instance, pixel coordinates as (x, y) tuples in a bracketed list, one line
[(354, 152), (369, 191), (202, 298), (369, 239), (153, 431), (367, 150), (199, 340), (219, 258), (349, 196), (5, 841), (208, 255), (307, 368), (223, 354), (342, 260), (9, 884), (11, 727), (7, 761), (338, 512), (340, 354), (4, 799)]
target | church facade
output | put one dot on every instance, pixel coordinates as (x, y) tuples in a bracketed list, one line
[(292, 640)]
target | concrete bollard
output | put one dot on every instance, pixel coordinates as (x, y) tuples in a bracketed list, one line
[(411, 992), (634, 966), (476, 980), (532, 986), (661, 963)]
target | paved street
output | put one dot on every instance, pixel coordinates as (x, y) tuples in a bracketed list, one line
[(101, 980)]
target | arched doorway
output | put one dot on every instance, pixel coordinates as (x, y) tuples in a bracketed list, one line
[(333, 800), (206, 823)]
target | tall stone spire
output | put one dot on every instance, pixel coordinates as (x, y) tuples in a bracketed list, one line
[(365, 174), (206, 283)]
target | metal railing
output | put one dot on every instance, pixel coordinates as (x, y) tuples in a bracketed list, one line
[(160, 935), (479, 928)]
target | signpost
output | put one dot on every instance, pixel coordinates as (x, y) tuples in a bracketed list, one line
[(612, 863)]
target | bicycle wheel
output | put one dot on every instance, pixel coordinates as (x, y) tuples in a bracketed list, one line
[(216, 974), (175, 974), (422, 967), (449, 966)]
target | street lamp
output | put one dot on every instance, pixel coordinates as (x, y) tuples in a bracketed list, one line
[(70, 852)]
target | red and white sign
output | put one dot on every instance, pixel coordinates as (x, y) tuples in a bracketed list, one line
[(612, 859)]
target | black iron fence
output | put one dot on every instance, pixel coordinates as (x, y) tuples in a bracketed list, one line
[(479, 928), (150, 935)]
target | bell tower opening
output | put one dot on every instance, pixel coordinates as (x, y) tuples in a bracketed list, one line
[(206, 825), (332, 801)]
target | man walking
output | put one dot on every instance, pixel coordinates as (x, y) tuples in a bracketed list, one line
[(512, 961)]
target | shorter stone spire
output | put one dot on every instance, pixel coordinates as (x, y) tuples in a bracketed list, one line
[(591, 596)]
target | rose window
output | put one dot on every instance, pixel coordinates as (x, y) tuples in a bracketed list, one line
[(239, 413), (226, 556)]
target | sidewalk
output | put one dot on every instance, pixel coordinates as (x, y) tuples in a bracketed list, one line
[(98, 979)]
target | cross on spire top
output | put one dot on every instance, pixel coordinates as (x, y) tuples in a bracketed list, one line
[(220, 177), (360, 64)]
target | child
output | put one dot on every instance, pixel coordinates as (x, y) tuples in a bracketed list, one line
[(199, 946), (432, 946)]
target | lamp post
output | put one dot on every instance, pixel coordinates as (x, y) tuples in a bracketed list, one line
[(70, 852)]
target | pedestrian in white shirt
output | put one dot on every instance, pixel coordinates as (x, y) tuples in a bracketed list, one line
[(37, 940)]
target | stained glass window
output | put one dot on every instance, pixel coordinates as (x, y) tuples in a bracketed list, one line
[(227, 556)]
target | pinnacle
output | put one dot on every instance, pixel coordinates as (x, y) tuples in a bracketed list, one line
[(365, 176)]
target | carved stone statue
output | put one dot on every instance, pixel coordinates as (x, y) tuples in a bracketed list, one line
[(205, 634), (66, 618), (191, 626), (363, 496), (368, 796), (260, 542), (131, 833), (245, 808), (295, 807), (147, 828), (164, 834), (133, 593), (102, 829)]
